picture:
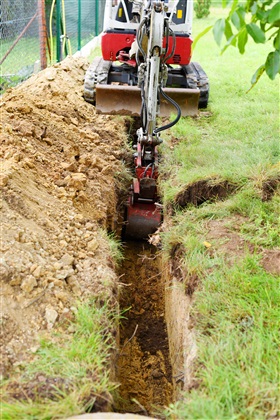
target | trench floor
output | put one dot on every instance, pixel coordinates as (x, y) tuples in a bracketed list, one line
[(143, 367)]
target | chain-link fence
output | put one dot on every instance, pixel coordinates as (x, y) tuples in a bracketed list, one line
[(20, 43), (83, 21), (36, 33)]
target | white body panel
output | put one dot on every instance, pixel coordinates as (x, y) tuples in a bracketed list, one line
[(112, 6)]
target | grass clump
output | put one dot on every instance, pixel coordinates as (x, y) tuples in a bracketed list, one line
[(70, 375), (115, 246)]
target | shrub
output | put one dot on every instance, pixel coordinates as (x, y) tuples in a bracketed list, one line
[(202, 8)]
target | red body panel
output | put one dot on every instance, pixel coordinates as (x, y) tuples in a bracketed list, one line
[(113, 42), (183, 52)]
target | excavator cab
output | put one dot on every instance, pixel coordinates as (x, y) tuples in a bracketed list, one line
[(124, 11), (120, 27)]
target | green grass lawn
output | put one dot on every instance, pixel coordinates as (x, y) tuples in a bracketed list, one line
[(243, 127), (24, 53), (19, 64), (235, 306)]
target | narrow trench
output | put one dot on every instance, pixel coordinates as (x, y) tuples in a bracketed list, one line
[(143, 368)]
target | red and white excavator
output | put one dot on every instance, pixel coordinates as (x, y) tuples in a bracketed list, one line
[(146, 70)]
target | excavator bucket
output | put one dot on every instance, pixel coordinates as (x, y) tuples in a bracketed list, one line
[(142, 220), (126, 100)]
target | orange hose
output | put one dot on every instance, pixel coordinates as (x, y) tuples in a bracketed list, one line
[(42, 33)]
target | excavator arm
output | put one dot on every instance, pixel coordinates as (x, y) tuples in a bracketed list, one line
[(143, 214), (151, 42)]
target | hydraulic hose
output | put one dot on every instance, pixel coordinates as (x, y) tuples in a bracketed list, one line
[(166, 27), (139, 38), (143, 113), (167, 44), (146, 169), (172, 123)]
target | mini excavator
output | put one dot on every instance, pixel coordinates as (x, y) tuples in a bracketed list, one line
[(146, 71)]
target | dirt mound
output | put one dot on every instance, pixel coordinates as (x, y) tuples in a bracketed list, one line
[(59, 161)]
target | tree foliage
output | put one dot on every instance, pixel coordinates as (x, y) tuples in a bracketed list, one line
[(202, 8), (258, 19)]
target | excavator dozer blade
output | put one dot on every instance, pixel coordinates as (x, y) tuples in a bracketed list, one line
[(187, 99), (126, 100)]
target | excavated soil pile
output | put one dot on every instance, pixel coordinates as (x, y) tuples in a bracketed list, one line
[(59, 162)]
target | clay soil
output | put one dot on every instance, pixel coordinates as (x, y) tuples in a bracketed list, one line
[(63, 168), (60, 167)]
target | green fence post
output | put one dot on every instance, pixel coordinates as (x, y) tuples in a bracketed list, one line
[(96, 17), (58, 32), (79, 24)]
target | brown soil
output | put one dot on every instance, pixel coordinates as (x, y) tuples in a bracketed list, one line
[(143, 368), (269, 187), (224, 237), (59, 162), (204, 190), (61, 174), (271, 261)]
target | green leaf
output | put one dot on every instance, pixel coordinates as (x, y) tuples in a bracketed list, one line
[(261, 15), (242, 12), (233, 7), (272, 64), (228, 30), (225, 3), (256, 76), (254, 8), (218, 30), (274, 13), (276, 42), (242, 40), (256, 33), (200, 35), (231, 41), (237, 18)]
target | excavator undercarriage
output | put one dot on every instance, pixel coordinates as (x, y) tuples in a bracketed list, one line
[(113, 89)]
